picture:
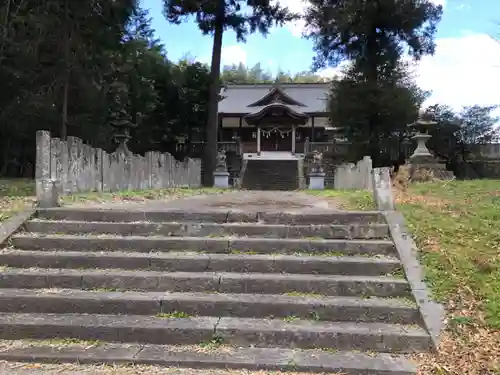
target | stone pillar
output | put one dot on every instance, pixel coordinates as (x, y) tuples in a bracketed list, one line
[(293, 139), (382, 189), (47, 189), (258, 139), (317, 181)]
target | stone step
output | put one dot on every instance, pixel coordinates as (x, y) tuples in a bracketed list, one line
[(397, 311), (186, 262), (222, 282), (303, 334), (268, 359), (366, 231), (329, 217), (31, 241)]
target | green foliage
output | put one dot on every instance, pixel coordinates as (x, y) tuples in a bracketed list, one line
[(371, 33), (241, 74), (457, 135), (375, 99), (396, 99), (74, 68)]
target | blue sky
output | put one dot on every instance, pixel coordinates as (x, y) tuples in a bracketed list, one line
[(465, 69)]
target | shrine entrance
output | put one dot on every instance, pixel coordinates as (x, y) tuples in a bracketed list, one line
[(276, 139)]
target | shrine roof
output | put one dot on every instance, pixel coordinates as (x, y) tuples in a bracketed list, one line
[(300, 97)]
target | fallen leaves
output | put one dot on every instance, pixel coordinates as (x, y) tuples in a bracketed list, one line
[(454, 225)]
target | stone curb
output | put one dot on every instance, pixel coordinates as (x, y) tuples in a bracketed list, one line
[(377, 337), (213, 216), (225, 245), (432, 313), (278, 231), (185, 262), (270, 359), (339, 309), (11, 225), (121, 280)]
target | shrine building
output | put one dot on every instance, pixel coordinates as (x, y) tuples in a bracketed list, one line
[(274, 121)]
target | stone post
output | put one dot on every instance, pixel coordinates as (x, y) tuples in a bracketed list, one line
[(382, 189), (317, 174), (293, 139), (47, 189), (221, 175), (258, 139)]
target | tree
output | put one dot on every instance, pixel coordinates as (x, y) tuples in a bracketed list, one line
[(241, 74), (373, 35), (213, 17), (458, 136), (397, 100), (112, 51)]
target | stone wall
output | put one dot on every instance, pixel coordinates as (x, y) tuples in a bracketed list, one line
[(354, 176), (76, 168), (340, 175), (478, 169)]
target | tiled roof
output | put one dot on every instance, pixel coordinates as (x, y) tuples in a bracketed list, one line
[(238, 97)]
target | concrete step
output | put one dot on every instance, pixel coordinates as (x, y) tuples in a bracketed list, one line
[(186, 262), (268, 359), (222, 282), (32, 241), (368, 231), (382, 310), (303, 334), (329, 217)]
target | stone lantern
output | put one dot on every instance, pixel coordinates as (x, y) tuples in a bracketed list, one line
[(422, 127), (424, 165)]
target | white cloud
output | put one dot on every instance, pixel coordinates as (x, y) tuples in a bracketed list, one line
[(464, 71), (439, 2), (296, 6), (234, 54), (230, 55), (332, 73)]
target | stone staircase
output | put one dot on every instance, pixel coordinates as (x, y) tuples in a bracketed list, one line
[(271, 175), (318, 292)]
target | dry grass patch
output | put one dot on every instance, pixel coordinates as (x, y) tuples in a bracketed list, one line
[(73, 369), (456, 226)]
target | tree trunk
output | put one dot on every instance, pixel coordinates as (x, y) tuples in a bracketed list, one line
[(372, 80), (64, 124), (210, 149), (5, 28)]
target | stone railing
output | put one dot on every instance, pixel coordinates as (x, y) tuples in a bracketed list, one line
[(65, 167), (326, 147), (196, 148)]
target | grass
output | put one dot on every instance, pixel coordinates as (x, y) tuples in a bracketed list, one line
[(346, 199), (18, 194), (15, 196), (135, 196), (457, 228)]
